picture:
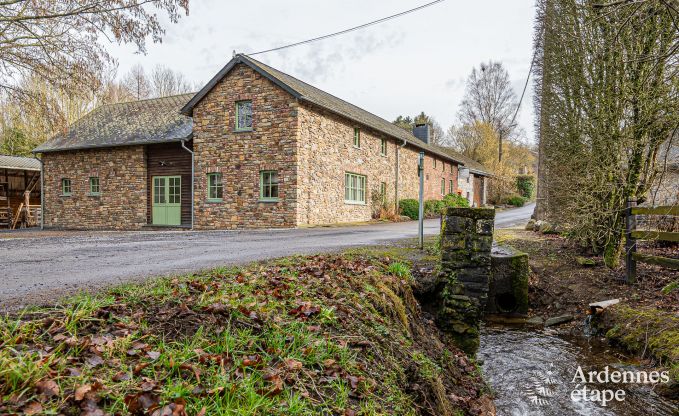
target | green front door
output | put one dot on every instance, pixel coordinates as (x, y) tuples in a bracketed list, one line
[(167, 200)]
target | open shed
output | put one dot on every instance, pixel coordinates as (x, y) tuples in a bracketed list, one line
[(19, 192)]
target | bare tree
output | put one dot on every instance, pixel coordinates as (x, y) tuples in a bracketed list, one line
[(166, 82), (137, 83), (489, 98), (60, 41)]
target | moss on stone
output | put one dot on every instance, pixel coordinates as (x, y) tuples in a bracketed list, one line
[(645, 331)]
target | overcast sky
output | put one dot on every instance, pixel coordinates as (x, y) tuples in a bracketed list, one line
[(417, 62)]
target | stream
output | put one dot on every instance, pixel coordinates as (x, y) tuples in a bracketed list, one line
[(531, 372)]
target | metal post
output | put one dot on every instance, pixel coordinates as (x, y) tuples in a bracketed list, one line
[(420, 171), (630, 243)]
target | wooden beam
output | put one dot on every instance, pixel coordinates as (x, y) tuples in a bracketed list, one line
[(666, 210), (655, 235), (658, 261)]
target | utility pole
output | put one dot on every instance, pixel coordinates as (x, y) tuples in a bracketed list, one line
[(420, 172)]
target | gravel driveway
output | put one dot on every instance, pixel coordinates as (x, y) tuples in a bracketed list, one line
[(42, 269)]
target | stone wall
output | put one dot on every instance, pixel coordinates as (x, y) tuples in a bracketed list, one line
[(122, 178), (466, 241), (327, 152), (240, 156), (466, 186)]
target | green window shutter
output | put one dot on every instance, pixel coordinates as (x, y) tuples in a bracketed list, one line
[(443, 186)]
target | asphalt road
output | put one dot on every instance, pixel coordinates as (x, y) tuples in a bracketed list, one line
[(37, 270)]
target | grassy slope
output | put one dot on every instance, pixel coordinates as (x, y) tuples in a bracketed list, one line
[(338, 334)]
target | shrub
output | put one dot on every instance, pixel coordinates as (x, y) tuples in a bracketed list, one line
[(410, 208), (525, 184), (433, 207), (455, 200), (516, 200)]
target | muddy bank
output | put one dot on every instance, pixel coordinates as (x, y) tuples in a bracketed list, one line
[(564, 280)]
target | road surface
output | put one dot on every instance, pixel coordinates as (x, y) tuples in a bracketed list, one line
[(40, 270)]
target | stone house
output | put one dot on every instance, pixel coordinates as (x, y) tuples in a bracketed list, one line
[(254, 148)]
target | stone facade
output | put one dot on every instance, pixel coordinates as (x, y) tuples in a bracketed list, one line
[(240, 156), (466, 241), (327, 152), (122, 178), (310, 148)]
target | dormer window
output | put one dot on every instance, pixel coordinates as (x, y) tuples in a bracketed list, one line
[(244, 115)]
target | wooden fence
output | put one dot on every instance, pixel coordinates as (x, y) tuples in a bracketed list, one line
[(633, 235)]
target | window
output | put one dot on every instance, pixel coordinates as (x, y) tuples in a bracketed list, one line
[(383, 147), (468, 197), (268, 185), (244, 115), (357, 137), (215, 187), (443, 186), (354, 188), (450, 187), (66, 187), (434, 163), (94, 186), (383, 191)]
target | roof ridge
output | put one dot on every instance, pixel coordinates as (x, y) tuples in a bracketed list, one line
[(325, 92), (146, 99)]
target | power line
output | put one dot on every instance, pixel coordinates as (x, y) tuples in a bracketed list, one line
[(374, 22), (525, 86)]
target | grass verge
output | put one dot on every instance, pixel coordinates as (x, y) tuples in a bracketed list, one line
[(321, 335)]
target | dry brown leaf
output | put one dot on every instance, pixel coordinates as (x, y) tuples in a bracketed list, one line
[(33, 408), (47, 388), (81, 391)]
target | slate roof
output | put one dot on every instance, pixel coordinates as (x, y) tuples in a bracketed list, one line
[(305, 92), (19, 163), (138, 122), (474, 166)]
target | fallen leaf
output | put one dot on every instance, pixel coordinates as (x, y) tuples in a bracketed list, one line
[(47, 388), (33, 408), (153, 355), (121, 376), (81, 391), (139, 367), (148, 385), (94, 361), (293, 365), (202, 411), (140, 403)]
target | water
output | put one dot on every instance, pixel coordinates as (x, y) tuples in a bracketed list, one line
[(531, 373)]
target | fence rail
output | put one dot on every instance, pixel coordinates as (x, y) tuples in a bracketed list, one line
[(632, 235)]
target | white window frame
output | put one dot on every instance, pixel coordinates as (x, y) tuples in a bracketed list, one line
[(355, 186)]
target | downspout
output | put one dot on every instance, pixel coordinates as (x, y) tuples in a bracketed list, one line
[(42, 194), (398, 167), (192, 179)]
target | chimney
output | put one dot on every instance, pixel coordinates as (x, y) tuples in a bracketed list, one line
[(421, 131)]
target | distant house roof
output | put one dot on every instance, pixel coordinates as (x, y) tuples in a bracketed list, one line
[(139, 122), (305, 92), (19, 163), (471, 164)]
